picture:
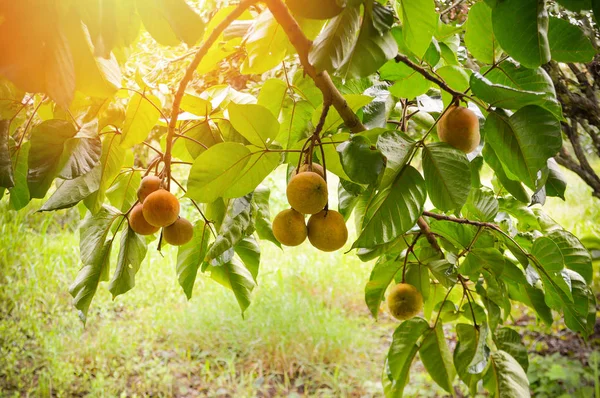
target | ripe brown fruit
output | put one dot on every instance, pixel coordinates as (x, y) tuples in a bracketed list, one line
[(161, 208), (315, 9), (138, 223), (316, 168), (327, 230), (404, 301), (179, 233), (148, 185), (307, 192), (459, 127), (289, 227)]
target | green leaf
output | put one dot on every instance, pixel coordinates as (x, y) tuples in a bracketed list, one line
[(331, 48), (447, 176), (488, 258), (196, 105), (436, 358), (249, 252), (203, 133), (571, 252), (266, 44), (361, 162), (131, 254), (272, 94), (374, 46), (236, 226), (505, 378), (295, 123), (81, 153), (510, 341), (479, 36), (515, 188), (19, 194), (111, 161), (47, 143), (190, 256), (262, 214), (548, 254), (419, 23), (234, 276), (71, 192), (534, 298), (481, 205), (255, 122), (531, 18), (333, 119), (596, 8), (568, 43), (584, 309), (394, 210), (170, 21), (140, 117), (6, 170), (418, 276), (259, 166), (215, 170), (123, 193), (381, 276), (376, 114), (333, 162), (524, 142), (556, 184), (397, 147), (411, 86), (403, 350), (470, 350), (576, 5)]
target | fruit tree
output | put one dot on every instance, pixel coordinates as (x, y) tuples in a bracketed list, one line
[(440, 132)]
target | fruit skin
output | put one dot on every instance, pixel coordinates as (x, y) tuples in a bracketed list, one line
[(161, 208), (327, 230), (404, 301), (179, 233), (314, 9), (148, 185), (316, 168), (138, 223), (459, 127), (307, 192), (289, 227)]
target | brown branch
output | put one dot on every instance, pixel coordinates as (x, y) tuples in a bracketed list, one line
[(428, 234), (442, 84), (189, 73), (322, 80)]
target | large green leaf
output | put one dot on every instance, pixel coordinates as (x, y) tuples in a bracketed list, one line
[(419, 23), (123, 193), (411, 86), (479, 36), (397, 147), (47, 144), (196, 105), (272, 95), (249, 252), (394, 210), (361, 161), (259, 166), (436, 358), (203, 133), (469, 349), (568, 43), (510, 341), (19, 194), (233, 275), (447, 176), (215, 170), (265, 43), (6, 170), (255, 122), (262, 214), (171, 21), (235, 227), (81, 153), (514, 20), (95, 256), (140, 117), (524, 141), (71, 192), (403, 350), (515, 188), (382, 275), (505, 378), (488, 258), (556, 184), (375, 44), (571, 253), (331, 48), (131, 254), (481, 205), (190, 256)]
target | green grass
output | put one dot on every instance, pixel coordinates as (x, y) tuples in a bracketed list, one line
[(307, 331)]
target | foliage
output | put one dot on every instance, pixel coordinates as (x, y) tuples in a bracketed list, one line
[(68, 121)]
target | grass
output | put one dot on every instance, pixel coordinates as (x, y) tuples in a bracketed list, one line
[(307, 332)]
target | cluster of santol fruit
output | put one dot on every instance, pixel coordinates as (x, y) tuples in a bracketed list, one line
[(159, 208)]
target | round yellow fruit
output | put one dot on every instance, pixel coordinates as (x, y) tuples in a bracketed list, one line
[(307, 192), (316, 168), (459, 127), (161, 208), (404, 301), (327, 230), (179, 233), (138, 223), (289, 227), (148, 185), (315, 9)]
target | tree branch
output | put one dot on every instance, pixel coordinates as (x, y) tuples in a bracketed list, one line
[(442, 84), (322, 80)]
